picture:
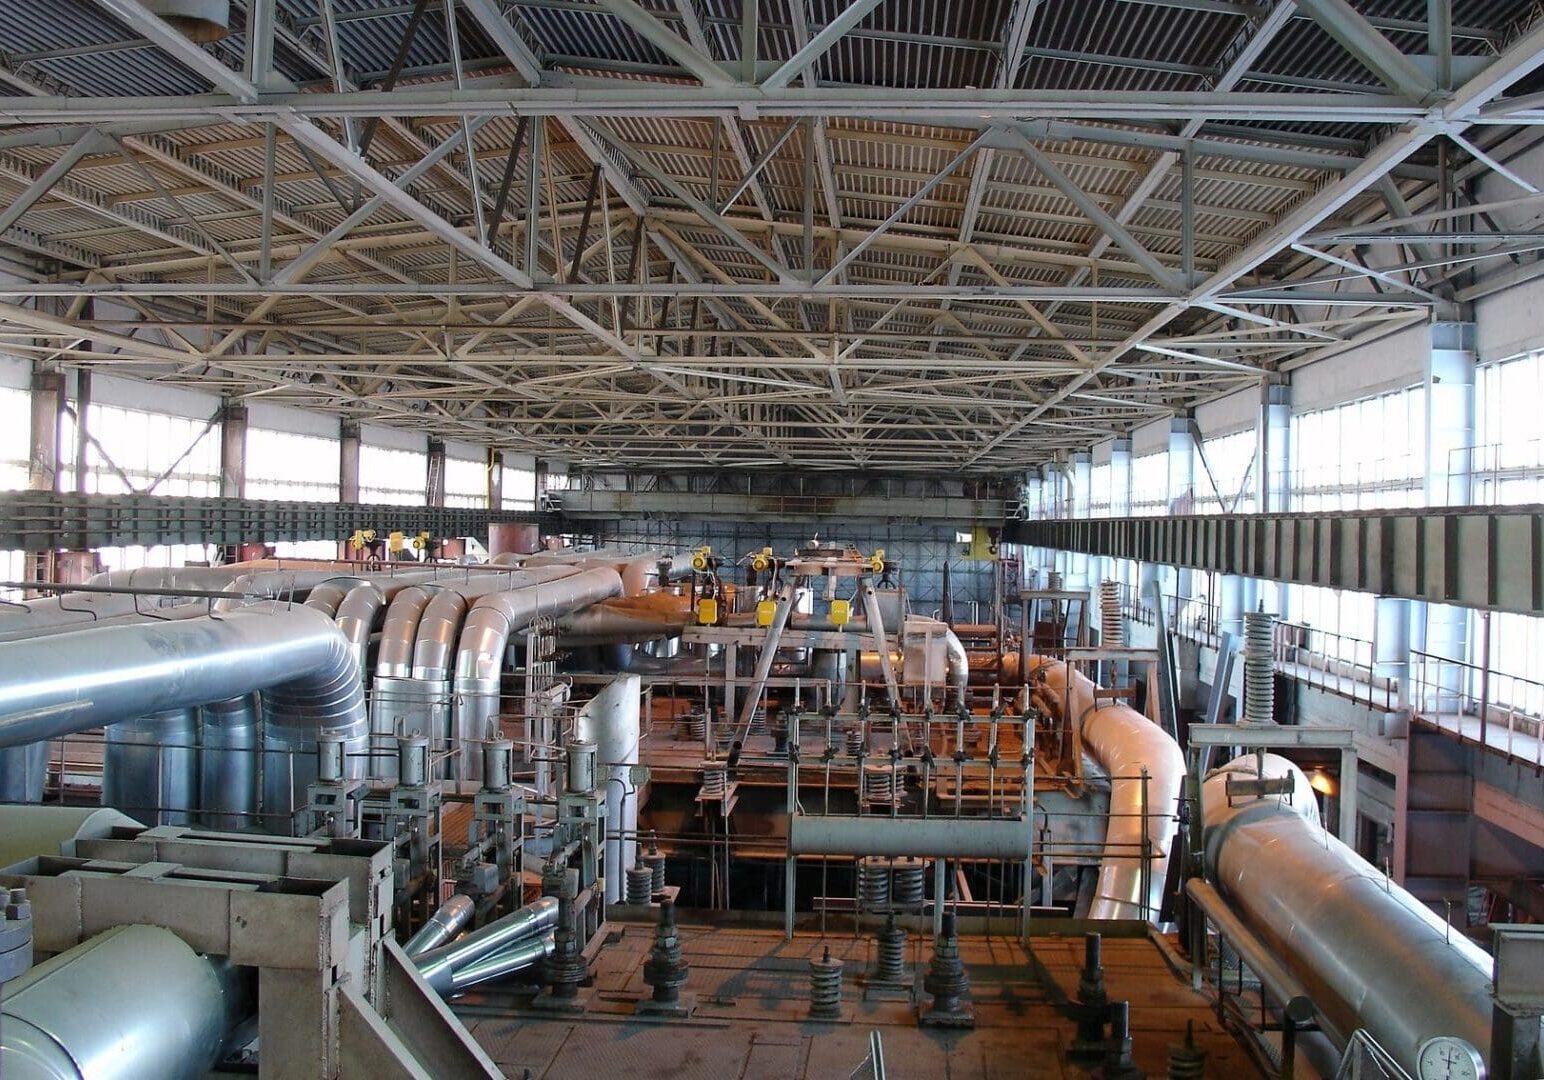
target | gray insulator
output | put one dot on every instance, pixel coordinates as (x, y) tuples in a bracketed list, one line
[(855, 742), (696, 725), (640, 885), (715, 778), (1259, 667), (1187, 1061), (1053, 581), (1091, 979), (654, 859), (665, 970), (908, 883), (879, 784), (758, 725), (891, 948), (825, 987), (874, 884), (1111, 631), (946, 979)]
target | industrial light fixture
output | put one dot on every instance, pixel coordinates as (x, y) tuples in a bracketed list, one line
[(1322, 782)]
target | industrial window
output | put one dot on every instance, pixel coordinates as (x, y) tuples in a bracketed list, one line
[(15, 435), (1101, 497), (1150, 485), (1507, 460), (398, 477), (145, 452), (519, 489), (1230, 489), (136, 556), (466, 483), (297, 468), (1366, 454), (13, 564), (1342, 623), (1516, 670)]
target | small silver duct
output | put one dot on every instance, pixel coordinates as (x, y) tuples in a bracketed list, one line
[(73, 682), (1368, 953), (453, 917), (131, 1003), (150, 767), (438, 966), (521, 956), (357, 615), (228, 751), (480, 657), (959, 667)]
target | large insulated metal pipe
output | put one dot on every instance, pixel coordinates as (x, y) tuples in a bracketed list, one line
[(438, 966), (959, 667), (131, 1003), (480, 657), (875, 834), (228, 750), (1368, 953), (90, 678), (150, 767), (1126, 745), (453, 916), (611, 721), (357, 616), (627, 620)]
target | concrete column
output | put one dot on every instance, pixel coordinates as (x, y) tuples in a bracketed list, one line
[(1034, 493), (1391, 644), (1449, 429), (1079, 502), (1273, 450), (348, 462), (47, 409), (434, 483), (1182, 486), (1231, 592), (495, 479), (1120, 478), (233, 451), (1182, 464), (1449, 414), (82, 426)]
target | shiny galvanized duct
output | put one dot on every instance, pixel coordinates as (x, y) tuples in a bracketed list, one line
[(453, 916), (73, 682), (131, 1003), (1124, 743), (439, 966), (1368, 953), (611, 720), (485, 638), (412, 688), (150, 767), (228, 752)]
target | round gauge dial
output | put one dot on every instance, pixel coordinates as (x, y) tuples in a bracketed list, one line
[(1448, 1058)]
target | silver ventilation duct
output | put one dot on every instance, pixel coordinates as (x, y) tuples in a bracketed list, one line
[(439, 966), (228, 749), (357, 616), (1367, 953), (412, 684), (150, 767), (611, 720), (73, 682), (480, 658)]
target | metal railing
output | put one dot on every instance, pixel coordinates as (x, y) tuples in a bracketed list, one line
[(1364, 1059), (1497, 710), (1193, 617), (1337, 663)]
